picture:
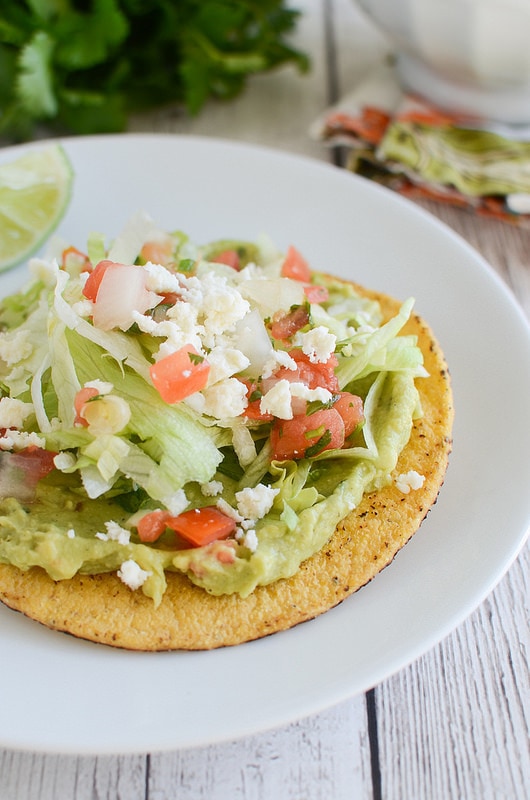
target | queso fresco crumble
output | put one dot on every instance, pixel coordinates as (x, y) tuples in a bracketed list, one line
[(215, 398)]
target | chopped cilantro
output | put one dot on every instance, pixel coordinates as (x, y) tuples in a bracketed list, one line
[(83, 66), (318, 446)]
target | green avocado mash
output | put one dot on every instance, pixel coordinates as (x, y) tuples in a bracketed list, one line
[(82, 517)]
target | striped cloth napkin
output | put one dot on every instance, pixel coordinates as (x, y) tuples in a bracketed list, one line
[(421, 151)]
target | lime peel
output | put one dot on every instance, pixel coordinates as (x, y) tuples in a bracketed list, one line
[(35, 191)]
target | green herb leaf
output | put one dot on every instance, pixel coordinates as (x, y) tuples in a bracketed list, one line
[(34, 83), (85, 66)]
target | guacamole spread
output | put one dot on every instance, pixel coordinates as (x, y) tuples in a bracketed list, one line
[(214, 411)]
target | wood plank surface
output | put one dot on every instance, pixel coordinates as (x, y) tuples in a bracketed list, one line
[(455, 724)]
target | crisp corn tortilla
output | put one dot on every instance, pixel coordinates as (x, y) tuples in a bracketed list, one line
[(101, 608)]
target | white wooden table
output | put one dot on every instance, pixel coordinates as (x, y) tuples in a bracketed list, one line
[(455, 724)]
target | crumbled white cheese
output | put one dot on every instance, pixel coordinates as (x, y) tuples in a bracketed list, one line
[(227, 398), (222, 306), (278, 358), (115, 533), (303, 392), (212, 488), (177, 502), (18, 440), (250, 540), (409, 480), (13, 412), (70, 533), (160, 280), (318, 343), (277, 401), (132, 575), (225, 362), (229, 510), (15, 346), (254, 502)]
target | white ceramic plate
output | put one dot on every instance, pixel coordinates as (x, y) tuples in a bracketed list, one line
[(60, 694)]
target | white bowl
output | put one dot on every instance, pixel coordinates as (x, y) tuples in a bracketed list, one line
[(465, 55)]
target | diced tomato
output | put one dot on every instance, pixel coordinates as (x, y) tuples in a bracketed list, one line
[(200, 526), (180, 374), (295, 266), (169, 298), (152, 525), (20, 472), (253, 410), (80, 400), (72, 257), (306, 436), (288, 324), (91, 287), (313, 375), (157, 252), (228, 257), (316, 294), (36, 461), (350, 407)]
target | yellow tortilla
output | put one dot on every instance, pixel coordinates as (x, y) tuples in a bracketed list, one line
[(102, 609)]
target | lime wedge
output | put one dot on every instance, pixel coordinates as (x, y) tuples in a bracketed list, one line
[(34, 193)]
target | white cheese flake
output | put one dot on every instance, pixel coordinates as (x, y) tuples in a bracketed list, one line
[(250, 540), (212, 488), (19, 440), (132, 575), (277, 401), (15, 346), (303, 392), (225, 399), (409, 480), (318, 344), (13, 412), (225, 362), (177, 502), (278, 358), (229, 510), (115, 533), (254, 502)]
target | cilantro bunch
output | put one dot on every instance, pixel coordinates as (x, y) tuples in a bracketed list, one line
[(83, 65)]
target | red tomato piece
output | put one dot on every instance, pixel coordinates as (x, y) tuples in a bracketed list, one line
[(169, 298), (295, 266), (288, 324), (152, 525), (200, 526), (307, 436), (82, 397), (180, 374), (74, 257), (313, 375), (157, 252), (228, 257), (36, 462), (91, 287), (316, 294), (350, 407), (253, 410), (21, 472)]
